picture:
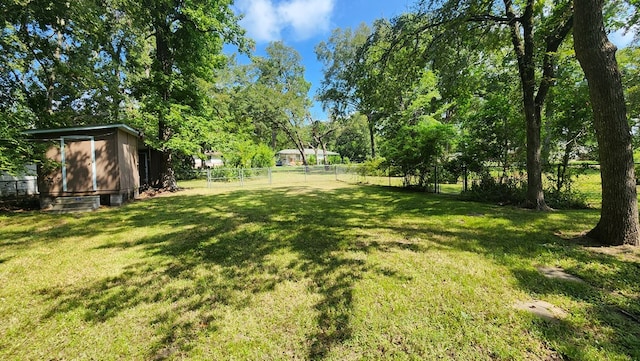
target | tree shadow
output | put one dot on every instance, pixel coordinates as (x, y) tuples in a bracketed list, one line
[(217, 251), (237, 235)]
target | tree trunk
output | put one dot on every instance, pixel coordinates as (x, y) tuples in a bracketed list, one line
[(371, 122), (523, 44), (618, 222)]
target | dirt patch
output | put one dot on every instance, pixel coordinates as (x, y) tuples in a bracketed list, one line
[(626, 252), (558, 273), (156, 192)]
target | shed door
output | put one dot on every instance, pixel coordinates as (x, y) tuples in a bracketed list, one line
[(78, 164)]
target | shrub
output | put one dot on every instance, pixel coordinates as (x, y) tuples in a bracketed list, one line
[(510, 191), (375, 167), (263, 157)]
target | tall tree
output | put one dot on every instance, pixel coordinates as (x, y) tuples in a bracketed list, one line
[(618, 222), (321, 131), (352, 138), (61, 64), (278, 96), (186, 39), (339, 89)]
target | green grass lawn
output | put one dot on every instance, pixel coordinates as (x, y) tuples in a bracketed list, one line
[(325, 272)]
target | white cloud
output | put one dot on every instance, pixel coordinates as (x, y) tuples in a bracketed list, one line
[(266, 20)]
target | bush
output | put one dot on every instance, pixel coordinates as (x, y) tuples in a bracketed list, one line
[(566, 199), (510, 191), (335, 159), (561, 194), (375, 167), (263, 157), (223, 174)]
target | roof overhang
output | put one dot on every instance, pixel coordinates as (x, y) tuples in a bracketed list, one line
[(123, 127)]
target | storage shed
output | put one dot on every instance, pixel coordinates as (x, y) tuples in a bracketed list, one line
[(98, 162)]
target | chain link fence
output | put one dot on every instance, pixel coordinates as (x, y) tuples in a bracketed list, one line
[(579, 181)]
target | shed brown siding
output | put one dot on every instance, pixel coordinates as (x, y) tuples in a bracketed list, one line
[(115, 152), (107, 169), (128, 161), (79, 165)]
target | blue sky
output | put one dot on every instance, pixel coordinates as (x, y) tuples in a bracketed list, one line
[(302, 24)]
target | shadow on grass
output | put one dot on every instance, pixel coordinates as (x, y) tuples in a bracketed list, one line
[(237, 234), (223, 247)]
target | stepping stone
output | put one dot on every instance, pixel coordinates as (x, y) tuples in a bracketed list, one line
[(558, 273), (542, 309)]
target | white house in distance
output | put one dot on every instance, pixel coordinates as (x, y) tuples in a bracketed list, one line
[(213, 160), (293, 157)]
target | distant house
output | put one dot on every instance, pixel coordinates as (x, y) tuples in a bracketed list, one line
[(293, 157), (106, 162), (212, 160)]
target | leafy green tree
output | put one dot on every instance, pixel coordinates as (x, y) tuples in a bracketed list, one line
[(568, 121), (492, 134), (413, 138), (340, 90), (263, 157), (630, 70), (277, 98), (61, 64), (535, 33), (321, 132), (181, 46), (351, 139), (414, 149)]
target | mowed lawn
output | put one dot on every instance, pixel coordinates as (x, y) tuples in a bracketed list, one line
[(331, 272)]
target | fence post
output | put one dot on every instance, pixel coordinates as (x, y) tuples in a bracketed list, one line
[(335, 170), (241, 177), (269, 173), (16, 190), (208, 177), (435, 178), (466, 178)]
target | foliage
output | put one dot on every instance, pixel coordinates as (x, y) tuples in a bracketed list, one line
[(630, 69), (507, 191), (336, 159), (491, 127), (184, 167), (147, 64), (351, 139), (247, 154), (414, 149), (340, 90), (276, 99), (568, 131), (263, 157), (373, 167)]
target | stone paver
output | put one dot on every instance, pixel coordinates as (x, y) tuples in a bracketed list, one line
[(542, 309), (558, 273)]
